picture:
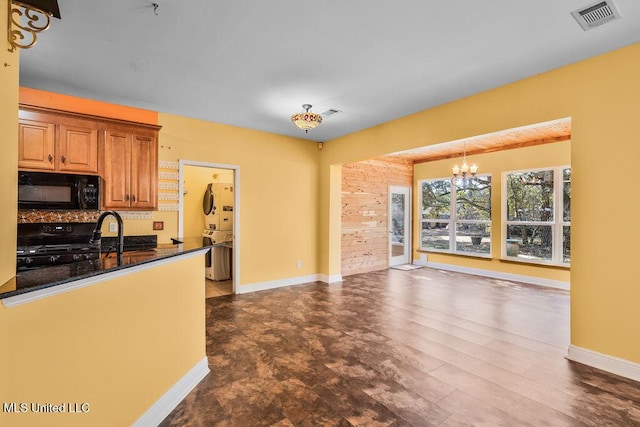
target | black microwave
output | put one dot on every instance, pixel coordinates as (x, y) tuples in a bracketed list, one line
[(46, 190)]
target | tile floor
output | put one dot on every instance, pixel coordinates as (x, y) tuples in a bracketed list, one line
[(400, 348), (218, 288)]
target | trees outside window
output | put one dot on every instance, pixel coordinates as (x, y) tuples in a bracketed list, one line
[(537, 217), (456, 215)]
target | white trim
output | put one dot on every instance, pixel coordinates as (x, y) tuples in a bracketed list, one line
[(612, 364), (329, 279), (88, 281), (167, 403), (273, 284), (531, 280), (235, 274)]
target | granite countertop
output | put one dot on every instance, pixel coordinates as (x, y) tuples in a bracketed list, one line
[(45, 277)]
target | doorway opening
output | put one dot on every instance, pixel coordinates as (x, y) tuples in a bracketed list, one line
[(209, 209)]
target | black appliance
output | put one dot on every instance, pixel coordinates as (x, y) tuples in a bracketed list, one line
[(44, 244), (45, 190)]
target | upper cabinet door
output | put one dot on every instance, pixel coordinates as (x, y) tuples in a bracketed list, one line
[(57, 142), (78, 148), (144, 171), (36, 145), (117, 169)]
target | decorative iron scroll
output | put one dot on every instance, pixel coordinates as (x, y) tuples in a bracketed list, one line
[(25, 22)]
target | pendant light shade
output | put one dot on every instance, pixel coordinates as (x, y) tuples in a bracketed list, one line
[(306, 120)]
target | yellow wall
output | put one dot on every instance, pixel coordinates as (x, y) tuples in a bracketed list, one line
[(9, 65), (600, 95), (277, 188), (111, 345), (549, 155)]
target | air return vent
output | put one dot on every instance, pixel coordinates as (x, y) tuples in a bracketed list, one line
[(596, 14), (330, 112)]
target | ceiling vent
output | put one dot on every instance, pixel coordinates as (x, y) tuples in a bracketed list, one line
[(330, 112), (596, 14)]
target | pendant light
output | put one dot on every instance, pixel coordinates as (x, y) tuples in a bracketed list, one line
[(306, 120)]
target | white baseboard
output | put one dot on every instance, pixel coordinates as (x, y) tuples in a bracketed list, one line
[(273, 284), (167, 403), (334, 278), (498, 275), (612, 364)]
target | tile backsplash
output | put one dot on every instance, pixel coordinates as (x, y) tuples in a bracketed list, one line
[(35, 216)]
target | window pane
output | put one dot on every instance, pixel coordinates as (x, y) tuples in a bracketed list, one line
[(530, 242), (473, 237), (436, 199), (434, 235), (566, 195), (473, 198), (397, 218), (566, 244), (530, 196)]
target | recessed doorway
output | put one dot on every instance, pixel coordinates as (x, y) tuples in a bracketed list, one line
[(209, 210)]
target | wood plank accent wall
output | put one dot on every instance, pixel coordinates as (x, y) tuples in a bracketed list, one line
[(365, 199)]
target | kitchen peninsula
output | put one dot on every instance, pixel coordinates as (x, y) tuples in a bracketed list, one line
[(40, 282), (125, 342)]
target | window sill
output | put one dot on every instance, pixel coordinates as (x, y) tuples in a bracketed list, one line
[(535, 263), (464, 254)]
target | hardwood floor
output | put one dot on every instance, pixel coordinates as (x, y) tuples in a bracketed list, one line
[(400, 348)]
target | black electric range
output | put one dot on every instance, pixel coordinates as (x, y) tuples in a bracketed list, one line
[(44, 244)]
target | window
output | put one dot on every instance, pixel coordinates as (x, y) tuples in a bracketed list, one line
[(456, 217), (538, 216)]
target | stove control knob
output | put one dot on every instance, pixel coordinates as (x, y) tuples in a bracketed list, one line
[(87, 256), (28, 260), (77, 257), (54, 258)]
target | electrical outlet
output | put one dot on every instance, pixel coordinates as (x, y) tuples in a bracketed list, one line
[(113, 226), (299, 264)]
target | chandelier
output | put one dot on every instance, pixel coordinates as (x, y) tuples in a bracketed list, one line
[(306, 120), (465, 169)]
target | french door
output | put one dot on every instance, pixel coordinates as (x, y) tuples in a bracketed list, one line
[(399, 225)]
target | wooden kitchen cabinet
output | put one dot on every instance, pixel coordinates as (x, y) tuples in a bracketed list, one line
[(56, 142), (36, 144), (78, 147), (123, 153), (130, 172)]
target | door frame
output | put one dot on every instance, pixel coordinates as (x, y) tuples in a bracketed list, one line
[(235, 268), (407, 256)]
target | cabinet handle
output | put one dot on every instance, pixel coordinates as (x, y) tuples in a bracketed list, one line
[(50, 158), (63, 158), (133, 198), (126, 198)]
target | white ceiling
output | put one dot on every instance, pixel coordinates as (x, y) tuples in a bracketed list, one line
[(253, 63)]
